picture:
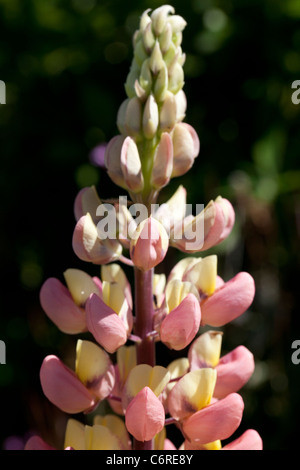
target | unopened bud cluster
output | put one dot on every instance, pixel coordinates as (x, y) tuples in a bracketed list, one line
[(154, 144)]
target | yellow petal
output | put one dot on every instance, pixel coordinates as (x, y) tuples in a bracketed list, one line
[(204, 274), (74, 436), (80, 285), (177, 369), (206, 349), (91, 361), (144, 375), (177, 290), (116, 425), (159, 282), (215, 445), (100, 438), (192, 393), (159, 440), (113, 273), (126, 360), (113, 295)]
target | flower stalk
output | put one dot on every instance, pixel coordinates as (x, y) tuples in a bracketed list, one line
[(144, 316)]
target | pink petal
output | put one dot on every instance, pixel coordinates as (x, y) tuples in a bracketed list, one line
[(168, 445), (229, 217), (199, 233), (186, 148), (131, 165), (103, 387), (88, 247), (229, 301), (249, 440), (213, 235), (60, 307), (233, 371), (104, 324), (98, 283), (87, 200), (37, 443), (63, 388), (112, 160), (163, 162), (216, 421), (181, 325), (145, 415), (149, 245)]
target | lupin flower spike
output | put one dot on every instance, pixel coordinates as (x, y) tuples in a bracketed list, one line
[(117, 363)]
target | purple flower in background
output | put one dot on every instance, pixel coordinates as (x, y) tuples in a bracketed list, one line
[(97, 155)]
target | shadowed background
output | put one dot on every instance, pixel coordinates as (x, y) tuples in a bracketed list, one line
[(64, 64)]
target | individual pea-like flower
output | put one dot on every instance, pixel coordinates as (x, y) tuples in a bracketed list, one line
[(125, 361), (201, 418), (86, 242), (183, 315), (234, 369), (230, 299), (109, 318), (144, 411), (221, 302), (65, 306), (249, 440), (106, 432), (82, 389), (190, 233), (149, 244)]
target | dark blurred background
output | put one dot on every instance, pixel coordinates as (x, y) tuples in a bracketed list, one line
[(64, 63)]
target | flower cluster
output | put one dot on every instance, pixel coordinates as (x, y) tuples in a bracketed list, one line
[(118, 329)]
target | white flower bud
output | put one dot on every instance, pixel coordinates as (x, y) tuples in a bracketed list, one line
[(145, 20), (177, 23), (133, 116), (145, 78), (165, 38), (163, 162), (140, 54), (170, 55), (161, 84), (156, 62), (186, 147), (181, 104), (150, 118), (131, 78), (176, 78), (121, 116), (167, 117), (131, 165), (140, 92), (148, 38), (112, 160), (159, 18)]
